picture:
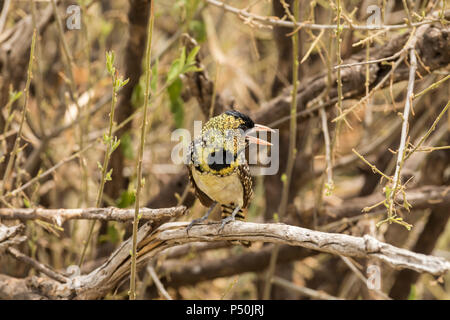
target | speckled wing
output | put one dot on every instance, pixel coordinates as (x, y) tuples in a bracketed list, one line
[(246, 180), (204, 199)]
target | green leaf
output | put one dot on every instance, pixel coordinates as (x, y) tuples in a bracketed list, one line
[(127, 199), (191, 69), (114, 144), (191, 57), (112, 235), (14, 95), (124, 82), (99, 165), (26, 203), (174, 71), (276, 217), (183, 56), (106, 139), (388, 191), (108, 176), (198, 29), (110, 62), (176, 103)]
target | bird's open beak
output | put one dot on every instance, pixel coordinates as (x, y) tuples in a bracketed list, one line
[(258, 128)]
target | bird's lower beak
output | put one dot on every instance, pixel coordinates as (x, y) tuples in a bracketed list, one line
[(259, 128)]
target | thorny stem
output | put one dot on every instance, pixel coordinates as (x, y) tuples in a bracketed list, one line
[(132, 293), (373, 167), (22, 120), (427, 134), (432, 86), (367, 97), (292, 151), (403, 137)]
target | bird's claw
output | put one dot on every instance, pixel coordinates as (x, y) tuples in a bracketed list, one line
[(225, 221), (194, 222)]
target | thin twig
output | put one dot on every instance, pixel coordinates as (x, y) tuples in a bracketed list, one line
[(404, 133), (37, 265), (427, 134), (111, 144), (367, 97), (132, 292), (363, 279), (432, 86), (158, 283), (22, 120), (303, 290)]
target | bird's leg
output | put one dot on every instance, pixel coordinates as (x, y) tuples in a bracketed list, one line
[(229, 218), (197, 221)]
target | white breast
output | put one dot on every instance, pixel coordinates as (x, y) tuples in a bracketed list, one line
[(224, 190)]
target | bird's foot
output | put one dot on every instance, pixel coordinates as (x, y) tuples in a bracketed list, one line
[(196, 221), (199, 220), (225, 221), (229, 218)]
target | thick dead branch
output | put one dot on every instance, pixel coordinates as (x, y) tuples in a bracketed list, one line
[(37, 265), (103, 279), (58, 216), (12, 288), (435, 226), (340, 244)]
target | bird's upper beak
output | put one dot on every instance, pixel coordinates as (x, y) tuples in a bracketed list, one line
[(258, 128)]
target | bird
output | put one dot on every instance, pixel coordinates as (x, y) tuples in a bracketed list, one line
[(217, 168)]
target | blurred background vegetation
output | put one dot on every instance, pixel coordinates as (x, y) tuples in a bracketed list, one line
[(241, 63)]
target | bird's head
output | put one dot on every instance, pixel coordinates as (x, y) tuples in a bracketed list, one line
[(224, 137)]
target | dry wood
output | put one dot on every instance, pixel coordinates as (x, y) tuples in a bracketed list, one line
[(99, 282), (10, 236), (58, 216)]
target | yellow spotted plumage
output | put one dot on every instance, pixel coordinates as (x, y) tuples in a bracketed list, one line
[(217, 167), (227, 182)]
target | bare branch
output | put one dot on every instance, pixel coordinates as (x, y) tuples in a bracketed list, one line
[(37, 265), (103, 279), (158, 283), (274, 21), (58, 216), (303, 290), (340, 244)]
